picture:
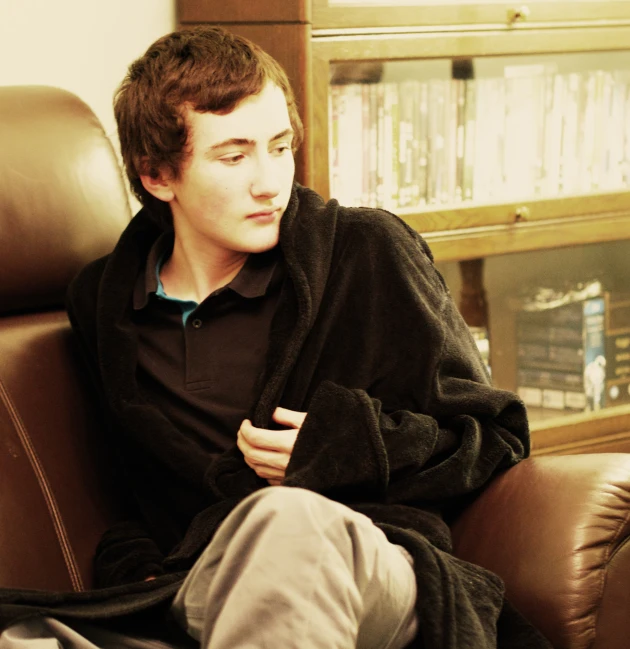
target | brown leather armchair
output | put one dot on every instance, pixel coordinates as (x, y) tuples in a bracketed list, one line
[(62, 203), (555, 528)]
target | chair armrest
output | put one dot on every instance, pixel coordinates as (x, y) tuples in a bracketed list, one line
[(556, 530)]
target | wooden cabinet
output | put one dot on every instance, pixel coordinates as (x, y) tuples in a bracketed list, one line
[(500, 131)]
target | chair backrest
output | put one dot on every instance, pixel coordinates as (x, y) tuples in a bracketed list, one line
[(62, 204)]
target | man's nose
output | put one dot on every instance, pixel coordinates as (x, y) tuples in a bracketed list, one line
[(266, 181)]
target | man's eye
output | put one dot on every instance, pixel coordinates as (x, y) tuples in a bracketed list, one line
[(232, 159), (282, 148)]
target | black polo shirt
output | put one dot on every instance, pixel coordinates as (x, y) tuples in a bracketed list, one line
[(199, 363)]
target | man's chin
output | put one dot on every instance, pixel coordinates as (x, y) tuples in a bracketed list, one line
[(256, 247), (265, 241)]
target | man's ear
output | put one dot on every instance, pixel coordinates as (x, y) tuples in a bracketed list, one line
[(158, 184)]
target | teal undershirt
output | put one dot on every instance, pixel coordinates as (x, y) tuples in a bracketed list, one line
[(187, 306)]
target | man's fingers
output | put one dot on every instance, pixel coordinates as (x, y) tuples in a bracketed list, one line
[(287, 417), (267, 472), (255, 455), (268, 452), (273, 440)]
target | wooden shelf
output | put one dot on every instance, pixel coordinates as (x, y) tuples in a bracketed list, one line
[(581, 433), (412, 43), (486, 241), (433, 218)]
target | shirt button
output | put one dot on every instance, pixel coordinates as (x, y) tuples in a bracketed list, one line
[(196, 323)]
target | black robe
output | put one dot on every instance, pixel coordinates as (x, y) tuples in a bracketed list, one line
[(402, 425)]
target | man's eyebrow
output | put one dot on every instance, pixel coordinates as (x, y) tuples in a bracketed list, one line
[(234, 141), (287, 131), (242, 141)]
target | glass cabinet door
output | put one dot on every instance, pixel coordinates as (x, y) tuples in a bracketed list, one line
[(487, 144), (338, 14), (558, 333), (417, 135)]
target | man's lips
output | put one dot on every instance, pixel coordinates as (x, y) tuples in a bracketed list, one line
[(263, 213)]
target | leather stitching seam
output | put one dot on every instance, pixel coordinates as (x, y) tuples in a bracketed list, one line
[(44, 484)]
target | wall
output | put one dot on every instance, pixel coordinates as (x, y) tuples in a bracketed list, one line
[(84, 46)]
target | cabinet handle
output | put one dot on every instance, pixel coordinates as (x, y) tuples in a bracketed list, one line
[(521, 214), (518, 15)]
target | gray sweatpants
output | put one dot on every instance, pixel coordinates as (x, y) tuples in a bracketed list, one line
[(287, 568)]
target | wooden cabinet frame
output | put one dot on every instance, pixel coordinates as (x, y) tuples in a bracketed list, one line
[(605, 431), (328, 15)]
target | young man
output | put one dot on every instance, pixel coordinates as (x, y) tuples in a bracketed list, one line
[(292, 394)]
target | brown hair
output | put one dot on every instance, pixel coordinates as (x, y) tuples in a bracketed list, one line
[(206, 67)]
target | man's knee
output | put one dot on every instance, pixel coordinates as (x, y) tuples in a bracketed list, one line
[(298, 508), (289, 500), (301, 511)]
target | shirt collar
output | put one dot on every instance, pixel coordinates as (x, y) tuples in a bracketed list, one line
[(147, 281), (252, 280)]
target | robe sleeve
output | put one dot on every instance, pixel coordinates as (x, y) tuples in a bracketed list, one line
[(424, 424), (350, 449)]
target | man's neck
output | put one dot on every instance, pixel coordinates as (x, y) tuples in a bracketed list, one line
[(191, 273)]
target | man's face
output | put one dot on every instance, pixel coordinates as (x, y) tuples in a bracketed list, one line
[(235, 186)]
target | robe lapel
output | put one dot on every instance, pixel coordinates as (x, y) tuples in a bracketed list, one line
[(308, 253)]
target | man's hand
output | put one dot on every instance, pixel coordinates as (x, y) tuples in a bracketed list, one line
[(268, 451)]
